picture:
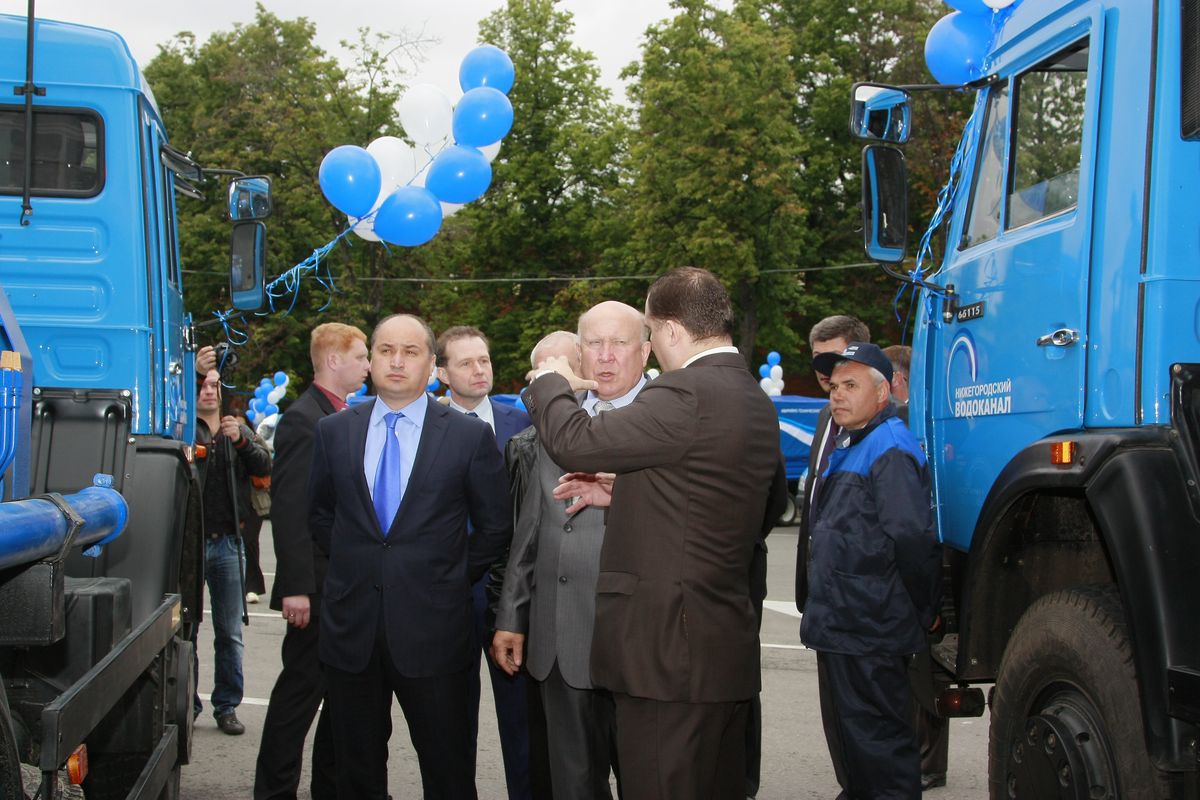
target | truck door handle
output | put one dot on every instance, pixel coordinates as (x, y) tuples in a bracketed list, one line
[(1059, 338)]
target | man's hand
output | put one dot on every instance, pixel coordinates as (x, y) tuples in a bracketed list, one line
[(296, 610), (508, 651), (562, 366), (586, 488), (206, 359), (231, 428)]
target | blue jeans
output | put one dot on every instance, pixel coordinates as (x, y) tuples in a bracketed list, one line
[(222, 574)]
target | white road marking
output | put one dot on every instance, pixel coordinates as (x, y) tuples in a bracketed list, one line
[(783, 607)]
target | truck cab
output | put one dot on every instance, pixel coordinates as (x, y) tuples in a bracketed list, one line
[(1056, 355), (95, 647)]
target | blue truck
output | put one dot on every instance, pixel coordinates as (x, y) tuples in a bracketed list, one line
[(1056, 390), (97, 374)]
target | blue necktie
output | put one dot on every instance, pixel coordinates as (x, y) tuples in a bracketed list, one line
[(472, 414), (387, 476)]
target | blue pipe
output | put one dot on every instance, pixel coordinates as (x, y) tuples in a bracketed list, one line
[(10, 407), (34, 529)]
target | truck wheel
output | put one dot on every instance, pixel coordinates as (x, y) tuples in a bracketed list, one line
[(788, 517), (1066, 719)]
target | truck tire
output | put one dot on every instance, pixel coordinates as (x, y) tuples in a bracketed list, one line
[(1066, 719), (788, 517)]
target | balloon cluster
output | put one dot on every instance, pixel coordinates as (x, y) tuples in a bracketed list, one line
[(399, 193), (771, 374), (959, 42), (267, 395)]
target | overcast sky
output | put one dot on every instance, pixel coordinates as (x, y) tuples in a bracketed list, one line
[(611, 29)]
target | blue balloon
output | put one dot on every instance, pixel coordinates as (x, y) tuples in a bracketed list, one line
[(266, 385), (773, 358), (409, 216), (433, 385), (486, 65), (269, 409), (458, 175), (482, 117), (764, 371), (350, 179), (969, 6), (957, 46), (361, 391), (257, 405), (281, 378)]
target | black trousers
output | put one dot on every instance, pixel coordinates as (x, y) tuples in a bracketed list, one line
[(437, 710), (866, 710), (581, 738), (681, 751), (297, 695)]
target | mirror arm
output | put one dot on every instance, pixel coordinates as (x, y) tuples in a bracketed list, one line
[(947, 293), (239, 316), (237, 173)]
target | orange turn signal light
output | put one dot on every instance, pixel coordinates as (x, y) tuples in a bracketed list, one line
[(77, 765), (1062, 453), (201, 451)]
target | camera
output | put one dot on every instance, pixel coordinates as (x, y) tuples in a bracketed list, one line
[(227, 358)]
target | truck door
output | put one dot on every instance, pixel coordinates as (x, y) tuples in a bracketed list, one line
[(173, 379), (1009, 369)]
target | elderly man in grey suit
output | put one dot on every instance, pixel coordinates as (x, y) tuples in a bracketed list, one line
[(548, 601)]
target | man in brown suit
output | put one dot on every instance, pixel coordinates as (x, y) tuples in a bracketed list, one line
[(696, 456)]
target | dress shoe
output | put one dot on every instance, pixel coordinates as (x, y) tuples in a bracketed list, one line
[(932, 780), (228, 724)]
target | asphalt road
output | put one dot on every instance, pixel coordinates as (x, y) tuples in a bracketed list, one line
[(795, 760)]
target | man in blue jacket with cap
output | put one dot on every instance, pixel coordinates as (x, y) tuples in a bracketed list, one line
[(873, 577)]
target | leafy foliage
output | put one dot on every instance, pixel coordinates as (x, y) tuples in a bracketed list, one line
[(735, 157)]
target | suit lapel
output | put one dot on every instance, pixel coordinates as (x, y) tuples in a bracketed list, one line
[(432, 432), (359, 422)]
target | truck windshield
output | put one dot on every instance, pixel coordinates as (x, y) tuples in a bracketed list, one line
[(67, 152)]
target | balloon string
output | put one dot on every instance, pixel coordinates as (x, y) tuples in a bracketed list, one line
[(963, 155)]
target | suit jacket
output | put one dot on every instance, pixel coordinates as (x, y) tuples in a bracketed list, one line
[(299, 565), (509, 420), (695, 455), (549, 590), (824, 419), (419, 575)]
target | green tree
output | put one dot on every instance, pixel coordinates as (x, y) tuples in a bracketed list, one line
[(265, 99), (715, 166), (834, 45)]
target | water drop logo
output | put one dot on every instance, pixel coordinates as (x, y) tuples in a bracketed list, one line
[(966, 343)]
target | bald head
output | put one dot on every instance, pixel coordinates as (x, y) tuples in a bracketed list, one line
[(558, 343), (614, 345)]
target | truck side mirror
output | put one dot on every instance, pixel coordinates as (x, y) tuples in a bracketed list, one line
[(247, 265), (250, 198), (880, 113), (884, 203)]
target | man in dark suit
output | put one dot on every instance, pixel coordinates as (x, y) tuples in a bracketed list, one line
[(340, 364), (393, 485), (675, 638), (465, 365)]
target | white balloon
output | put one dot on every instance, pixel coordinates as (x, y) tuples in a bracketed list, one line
[(774, 391), (276, 394), (397, 164), (777, 373), (996, 5), (426, 114), (365, 229), (652, 373), (490, 151), (767, 384)]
